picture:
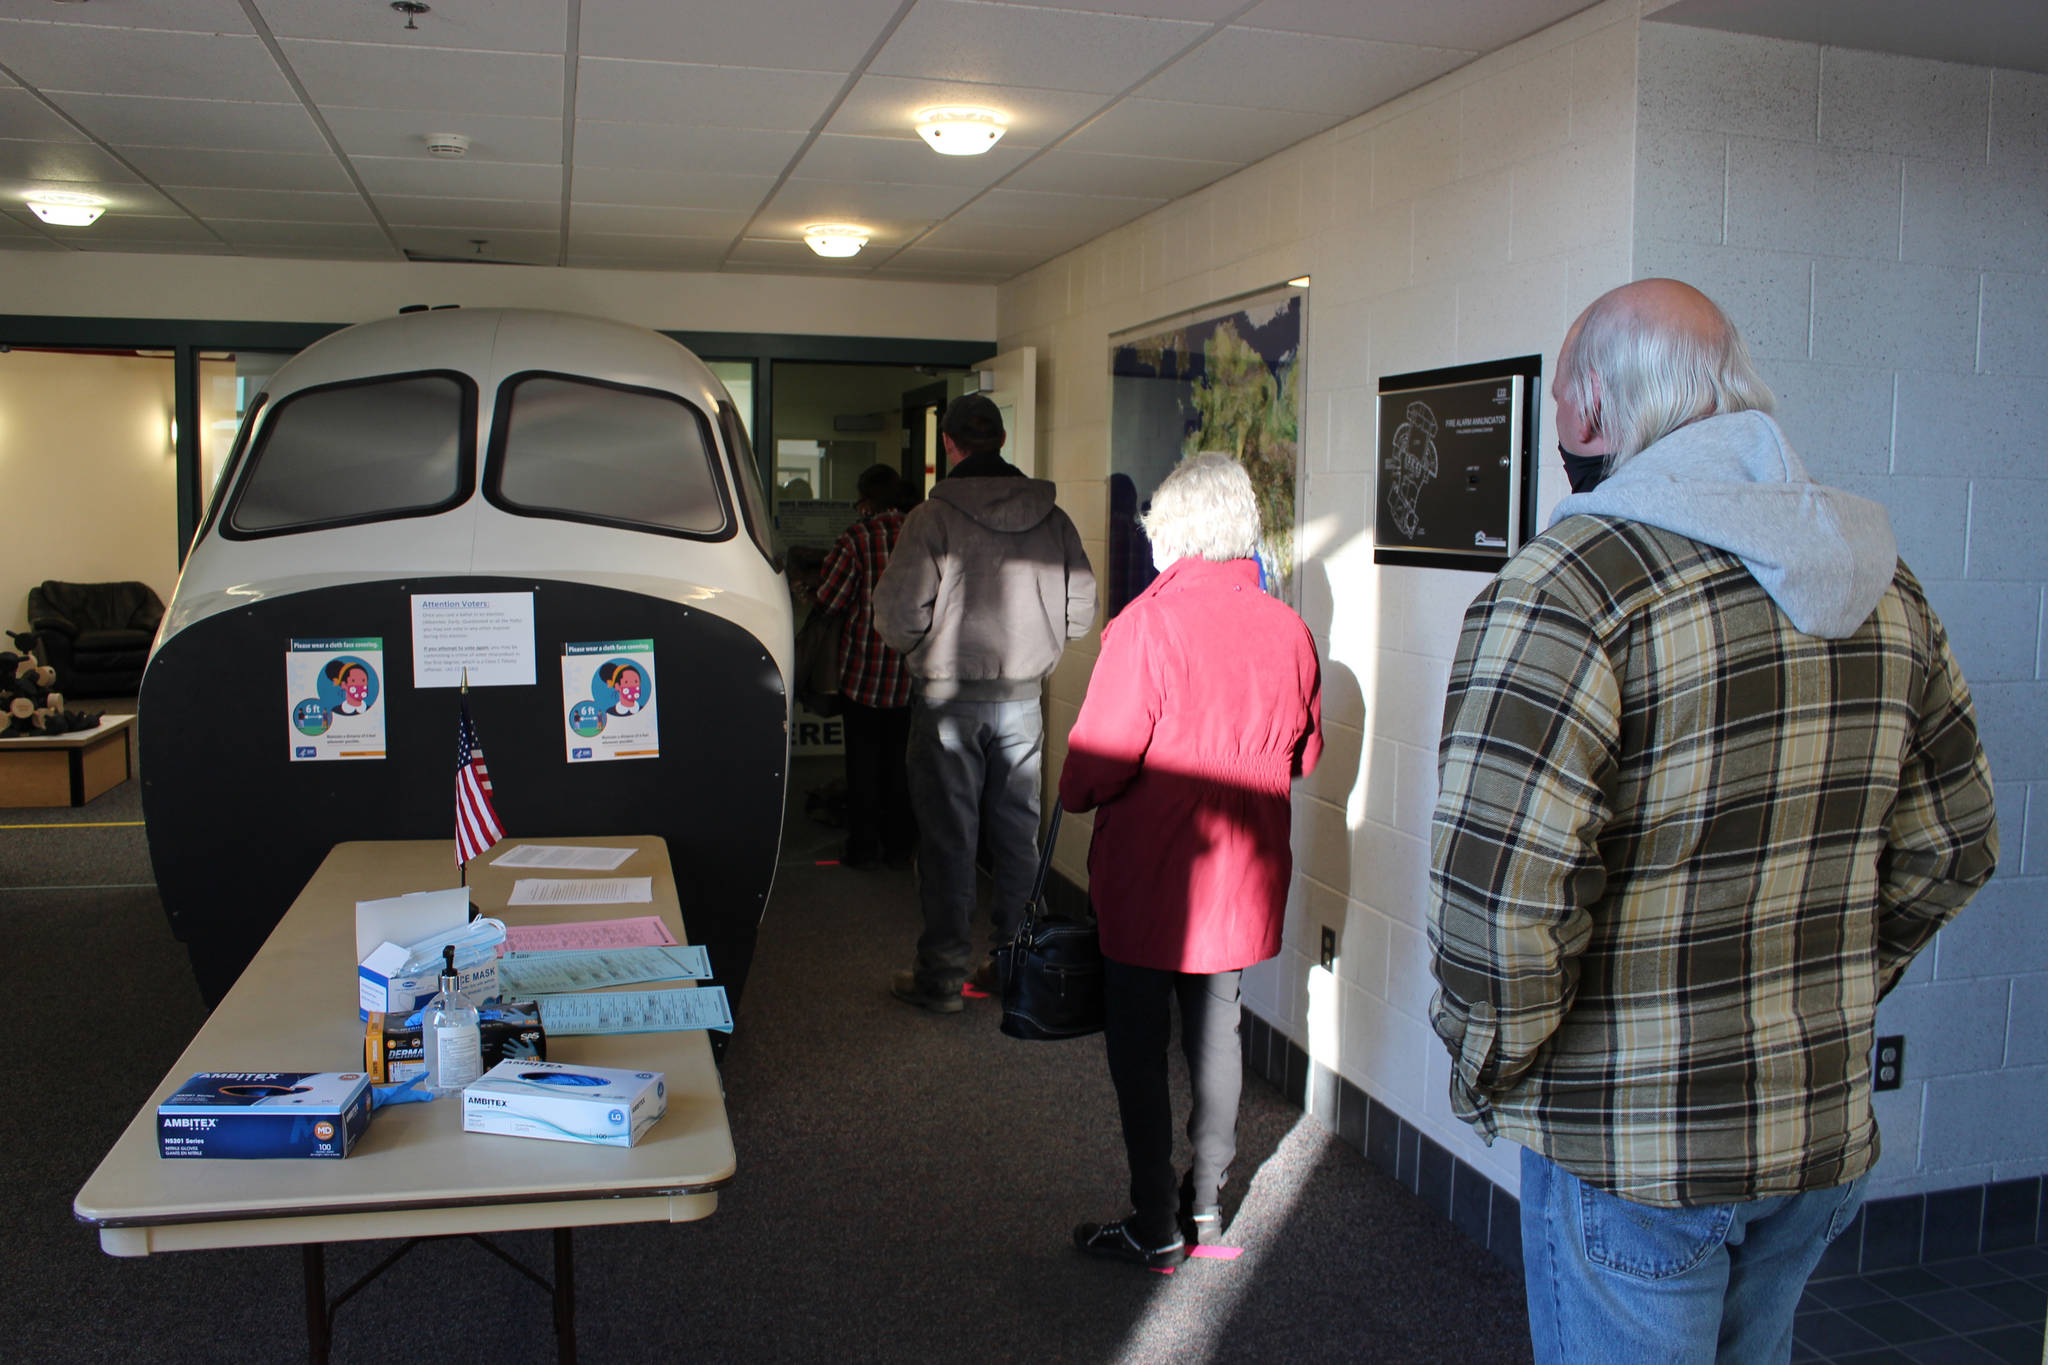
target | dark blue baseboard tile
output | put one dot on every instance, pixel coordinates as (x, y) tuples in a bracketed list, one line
[(1889, 1234)]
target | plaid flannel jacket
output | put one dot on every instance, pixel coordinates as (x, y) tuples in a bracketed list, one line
[(1679, 853), (870, 672)]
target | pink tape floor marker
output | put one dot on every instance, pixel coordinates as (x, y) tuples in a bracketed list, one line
[(1216, 1253), (970, 993)]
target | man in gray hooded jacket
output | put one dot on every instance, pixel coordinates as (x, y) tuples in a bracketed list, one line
[(987, 584), (1710, 777)]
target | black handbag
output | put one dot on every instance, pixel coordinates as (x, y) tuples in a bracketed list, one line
[(1050, 974)]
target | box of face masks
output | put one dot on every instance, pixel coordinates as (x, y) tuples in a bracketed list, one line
[(565, 1103), (264, 1114)]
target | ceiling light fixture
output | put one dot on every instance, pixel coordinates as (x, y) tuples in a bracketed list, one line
[(961, 130), (835, 239), (1298, 282), (61, 208)]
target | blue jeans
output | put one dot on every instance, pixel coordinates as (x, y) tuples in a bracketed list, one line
[(1614, 1282), (973, 783)]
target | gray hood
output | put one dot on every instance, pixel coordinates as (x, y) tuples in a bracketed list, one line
[(1000, 504), (1825, 556)]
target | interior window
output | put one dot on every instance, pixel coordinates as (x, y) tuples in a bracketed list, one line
[(398, 446), (758, 522), (591, 451)]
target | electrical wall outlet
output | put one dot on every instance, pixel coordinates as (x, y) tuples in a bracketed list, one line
[(1889, 1064), (1329, 955)]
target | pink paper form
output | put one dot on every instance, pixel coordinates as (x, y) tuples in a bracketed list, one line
[(645, 931)]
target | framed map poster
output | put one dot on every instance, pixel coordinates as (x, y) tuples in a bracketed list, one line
[(1456, 486)]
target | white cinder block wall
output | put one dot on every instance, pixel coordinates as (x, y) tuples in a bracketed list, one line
[(1468, 220), (1878, 227)]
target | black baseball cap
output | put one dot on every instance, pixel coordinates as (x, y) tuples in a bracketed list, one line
[(974, 421)]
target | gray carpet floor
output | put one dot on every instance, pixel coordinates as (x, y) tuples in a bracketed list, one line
[(906, 1187)]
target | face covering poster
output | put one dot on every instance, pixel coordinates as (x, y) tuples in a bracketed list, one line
[(608, 700), (335, 689)]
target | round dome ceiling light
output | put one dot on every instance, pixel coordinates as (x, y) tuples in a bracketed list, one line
[(62, 208), (961, 130), (835, 239)]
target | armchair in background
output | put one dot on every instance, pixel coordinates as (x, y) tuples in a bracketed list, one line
[(96, 635)]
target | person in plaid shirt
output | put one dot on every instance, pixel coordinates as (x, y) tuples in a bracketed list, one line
[(1710, 777), (873, 681)]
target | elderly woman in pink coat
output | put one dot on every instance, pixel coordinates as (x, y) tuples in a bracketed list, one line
[(1202, 708)]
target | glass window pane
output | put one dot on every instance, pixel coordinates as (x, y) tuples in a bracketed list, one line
[(755, 501), (589, 450), (357, 452)]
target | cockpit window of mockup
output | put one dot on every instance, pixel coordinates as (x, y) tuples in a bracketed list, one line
[(367, 450), (584, 450)]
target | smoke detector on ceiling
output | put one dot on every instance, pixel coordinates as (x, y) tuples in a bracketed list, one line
[(450, 145)]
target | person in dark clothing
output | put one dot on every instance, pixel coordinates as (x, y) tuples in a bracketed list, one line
[(873, 681)]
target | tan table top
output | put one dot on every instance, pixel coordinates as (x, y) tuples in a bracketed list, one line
[(109, 724), (415, 1172)]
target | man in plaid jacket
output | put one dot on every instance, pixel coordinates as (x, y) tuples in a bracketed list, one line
[(1710, 777)]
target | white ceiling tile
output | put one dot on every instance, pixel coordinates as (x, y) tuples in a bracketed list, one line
[(278, 206), (1092, 213), (795, 34), (149, 246), (406, 210), (317, 253), (402, 132), (125, 227), (646, 253), (795, 257), (241, 232), (1039, 243), (22, 115), (239, 170), (369, 75), (499, 245), (23, 226), (619, 91), (1151, 177), (1204, 132), (660, 147), (1207, 11), (174, 16), (1472, 25), (881, 207), (221, 66), (1017, 45), (132, 120), (122, 199), (636, 220), (671, 189), (905, 161), (60, 161), (479, 25), (1258, 69), (434, 178), (996, 265), (886, 106)]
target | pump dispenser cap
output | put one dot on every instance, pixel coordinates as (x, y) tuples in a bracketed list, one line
[(448, 972)]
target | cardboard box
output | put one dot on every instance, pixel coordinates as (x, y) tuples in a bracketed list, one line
[(394, 1054), (565, 1103), (384, 928), (380, 991), (264, 1114)]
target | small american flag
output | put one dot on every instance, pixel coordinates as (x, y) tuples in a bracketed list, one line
[(476, 822)]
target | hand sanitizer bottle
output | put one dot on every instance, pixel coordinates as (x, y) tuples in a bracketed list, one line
[(451, 1038)]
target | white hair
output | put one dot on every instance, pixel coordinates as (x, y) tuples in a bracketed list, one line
[(1647, 379), (1205, 509)]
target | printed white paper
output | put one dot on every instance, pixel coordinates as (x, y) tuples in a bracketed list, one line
[(488, 633), (578, 857), (581, 890)]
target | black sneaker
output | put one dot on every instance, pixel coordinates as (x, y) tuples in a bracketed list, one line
[(1113, 1241), (904, 986)]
